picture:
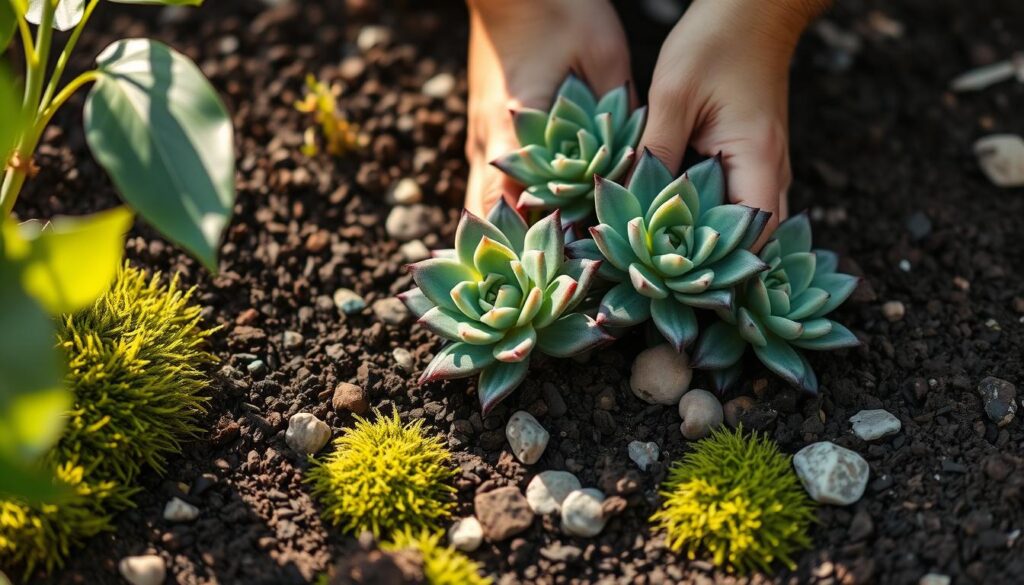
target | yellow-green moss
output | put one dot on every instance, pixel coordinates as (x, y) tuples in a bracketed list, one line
[(384, 476), (136, 363), (442, 565), (737, 498)]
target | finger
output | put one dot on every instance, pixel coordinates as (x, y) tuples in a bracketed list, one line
[(605, 66), (669, 125), (759, 177)]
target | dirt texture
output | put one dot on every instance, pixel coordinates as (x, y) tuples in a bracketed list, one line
[(881, 156)]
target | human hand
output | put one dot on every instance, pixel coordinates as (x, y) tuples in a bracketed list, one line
[(519, 53), (721, 84)]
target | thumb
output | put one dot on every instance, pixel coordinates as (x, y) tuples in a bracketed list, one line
[(759, 176), (670, 122)]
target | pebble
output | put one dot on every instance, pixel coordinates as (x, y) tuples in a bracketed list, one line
[(869, 425), (736, 409), (831, 474), (143, 570), (466, 534), (660, 375), (1001, 157), (178, 510), (351, 398), (414, 251), (306, 433), (548, 489), (403, 358), (904, 265), (292, 339), (643, 454), (256, 367), (935, 579), (371, 36), (919, 225), (556, 404), (999, 398), (405, 192), (582, 513), (440, 86), (391, 311), (893, 311), (348, 301), (526, 436), (502, 513), (701, 413), (409, 222)]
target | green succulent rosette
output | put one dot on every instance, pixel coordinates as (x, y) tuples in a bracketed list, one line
[(505, 291), (561, 151), (670, 245), (782, 311)]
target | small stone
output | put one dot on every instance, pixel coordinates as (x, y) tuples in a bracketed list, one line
[(660, 375), (1000, 399), (934, 579), (391, 311), (556, 404), (1001, 157), (919, 225), (440, 86), (701, 413), (403, 358), (371, 36), (414, 251), (348, 301), (405, 192), (351, 398), (410, 222), (893, 311), (256, 367), (831, 474), (292, 339), (503, 513), (143, 570), (869, 425), (643, 454), (178, 510), (736, 409), (526, 436), (548, 489), (466, 534), (582, 514), (306, 433)]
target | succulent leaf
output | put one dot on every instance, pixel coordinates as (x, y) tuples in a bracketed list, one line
[(649, 178), (498, 381), (719, 347), (436, 277), (794, 235), (780, 357), (708, 178), (676, 322), (837, 338), (622, 306), (615, 205), (736, 267), (612, 246), (571, 335), (417, 302), (457, 360), (529, 125), (731, 223), (509, 223), (516, 345)]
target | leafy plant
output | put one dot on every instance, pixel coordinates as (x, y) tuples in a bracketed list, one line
[(671, 246), (339, 135), (135, 366), (561, 151), (505, 291), (781, 311), (442, 565), (384, 476), (738, 498)]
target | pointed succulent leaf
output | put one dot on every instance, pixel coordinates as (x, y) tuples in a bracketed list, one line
[(731, 223), (809, 383), (691, 283), (705, 240), (436, 277), (476, 333), (838, 337), (535, 265), (709, 179), (750, 329), (566, 109), (756, 297), (615, 205), (839, 287), (470, 231), (605, 130), (498, 381), (794, 234), (807, 303), (709, 299), (571, 335), (778, 356), (583, 271), (779, 301), (443, 322), (417, 302), (676, 321), (679, 187), (674, 266), (649, 178), (613, 246), (735, 268), (493, 257), (546, 236), (466, 296), (529, 165), (509, 223), (516, 345), (826, 261), (799, 267), (557, 297), (622, 306), (629, 134), (529, 125), (588, 144), (457, 360), (559, 131), (719, 347), (500, 318), (646, 282), (725, 379), (636, 233), (616, 103), (814, 328), (588, 249), (783, 327), (576, 91), (570, 168), (569, 191), (671, 213), (621, 161), (531, 306), (755, 229)]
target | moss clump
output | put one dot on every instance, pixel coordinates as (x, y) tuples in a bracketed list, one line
[(136, 363), (442, 565), (384, 476), (738, 498)]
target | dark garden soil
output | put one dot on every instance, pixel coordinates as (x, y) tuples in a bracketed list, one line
[(881, 155)]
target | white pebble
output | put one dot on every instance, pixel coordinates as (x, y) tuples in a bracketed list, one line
[(582, 514), (548, 489), (701, 413), (831, 474), (178, 510), (1001, 157), (409, 222), (391, 311), (414, 251), (643, 454), (405, 192), (371, 36), (348, 301), (934, 579), (440, 86), (466, 534), (869, 425), (660, 375), (143, 570), (403, 358), (306, 433), (894, 311), (526, 436)]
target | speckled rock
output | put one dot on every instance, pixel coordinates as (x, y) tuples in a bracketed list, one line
[(831, 474), (548, 489), (526, 436)]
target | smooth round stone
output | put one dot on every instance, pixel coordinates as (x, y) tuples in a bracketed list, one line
[(306, 433), (1001, 157), (869, 425), (660, 375), (403, 358), (178, 510), (405, 192), (466, 534), (440, 86), (701, 413), (643, 454), (831, 474), (582, 514), (548, 489), (348, 301), (526, 436), (143, 570)]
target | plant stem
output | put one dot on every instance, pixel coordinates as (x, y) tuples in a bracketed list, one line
[(47, 113), (65, 56)]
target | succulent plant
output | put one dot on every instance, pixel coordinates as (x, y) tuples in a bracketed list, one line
[(782, 311), (671, 245), (505, 291), (561, 151)]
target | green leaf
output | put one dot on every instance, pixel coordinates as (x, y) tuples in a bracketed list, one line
[(577, 91), (27, 484), (417, 302), (546, 236), (649, 178), (794, 234), (750, 328), (719, 347), (498, 381), (613, 246), (629, 133), (616, 103), (783, 327), (622, 306), (67, 15), (71, 262), (646, 282), (736, 267), (839, 287), (492, 257), (679, 187), (615, 205), (443, 322), (517, 345), (587, 249), (470, 231), (826, 261), (528, 165), (799, 267), (438, 277), (571, 335), (159, 129), (677, 322), (755, 229), (510, 223), (779, 357), (557, 297), (807, 303), (709, 299), (839, 337), (691, 283), (731, 223), (10, 104), (708, 178), (457, 360), (8, 24)]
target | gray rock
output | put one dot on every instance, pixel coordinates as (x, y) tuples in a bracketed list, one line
[(643, 454), (934, 579), (403, 358), (414, 251), (179, 511), (526, 436), (405, 192), (919, 225), (701, 413), (999, 398), (306, 433), (582, 513), (256, 367), (660, 375), (348, 301), (143, 570), (466, 534), (548, 489), (391, 311), (556, 404), (869, 425), (831, 474), (502, 513), (1001, 157), (292, 339), (410, 222)]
